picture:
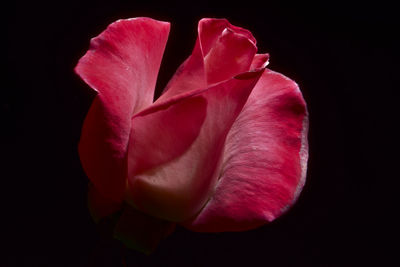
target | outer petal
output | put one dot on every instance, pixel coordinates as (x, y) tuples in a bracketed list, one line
[(234, 43), (177, 190), (122, 66), (265, 160)]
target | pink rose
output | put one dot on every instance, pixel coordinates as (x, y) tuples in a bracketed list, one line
[(223, 149)]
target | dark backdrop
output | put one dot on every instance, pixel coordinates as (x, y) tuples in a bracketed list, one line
[(340, 53)]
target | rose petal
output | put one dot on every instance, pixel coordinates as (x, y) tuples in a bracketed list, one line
[(177, 189), (230, 55), (164, 132), (189, 76), (192, 75), (211, 29), (122, 66), (260, 61), (140, 231), (265, 160), (123, 61)]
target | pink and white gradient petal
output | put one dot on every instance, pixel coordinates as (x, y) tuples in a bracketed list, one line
[(121, 66), (264, 161)]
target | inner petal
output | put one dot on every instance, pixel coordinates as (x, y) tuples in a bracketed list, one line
[(232, 54), (177, 189)]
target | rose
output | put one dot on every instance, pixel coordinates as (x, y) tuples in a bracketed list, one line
[(223, 149)]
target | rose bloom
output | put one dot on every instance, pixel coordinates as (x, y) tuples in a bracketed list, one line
[(224, 148)]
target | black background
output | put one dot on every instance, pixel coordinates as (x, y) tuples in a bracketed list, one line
[(340, 53)]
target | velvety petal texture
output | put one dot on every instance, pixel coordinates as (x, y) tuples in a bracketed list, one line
[(122, 66), (264, 161), (224, 148), (168, 129), (176, 190)]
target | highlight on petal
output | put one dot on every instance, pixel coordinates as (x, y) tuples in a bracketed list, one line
[(260, 61), (264, 162), (122, 66), (222, 51), (177, 189), (122, 63)]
